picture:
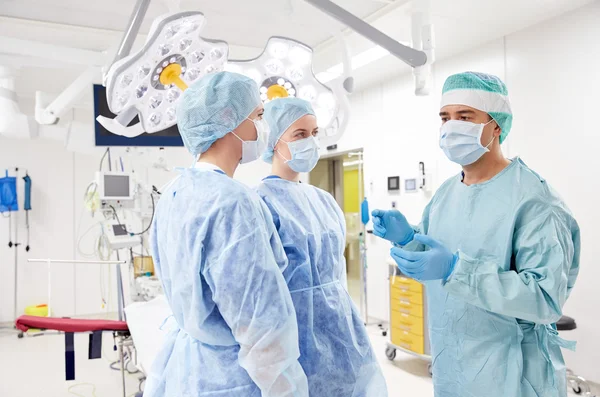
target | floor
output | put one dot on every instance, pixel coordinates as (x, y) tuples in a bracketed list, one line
[(34, 366)]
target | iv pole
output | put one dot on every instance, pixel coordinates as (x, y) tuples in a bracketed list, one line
[(16, 264), (364, 299)]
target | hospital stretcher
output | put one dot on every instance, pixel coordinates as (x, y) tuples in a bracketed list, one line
[(70, 326)]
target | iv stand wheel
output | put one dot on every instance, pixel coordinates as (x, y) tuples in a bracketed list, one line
[(390, 353)]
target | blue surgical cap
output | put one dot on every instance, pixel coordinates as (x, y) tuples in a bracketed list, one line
[(214, 106), (280, 115), (483, 92)]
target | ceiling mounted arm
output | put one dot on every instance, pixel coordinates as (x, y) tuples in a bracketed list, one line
[(133, 28), (410, 56)]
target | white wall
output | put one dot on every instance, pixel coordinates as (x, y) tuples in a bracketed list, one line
[(51, 220), (58, 219), (59, 181), (552, 74)]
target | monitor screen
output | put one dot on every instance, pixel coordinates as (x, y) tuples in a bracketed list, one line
[(168, 137), (116, 186), (410, 185), (119, 230)]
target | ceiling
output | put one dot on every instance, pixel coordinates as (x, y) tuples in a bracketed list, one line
[(459, 25), (247, 24), (239, 22)]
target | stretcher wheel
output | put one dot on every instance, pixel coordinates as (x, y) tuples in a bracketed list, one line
[(384, 333), (429, 369), (576, 389), (20, 335), (390, 353)]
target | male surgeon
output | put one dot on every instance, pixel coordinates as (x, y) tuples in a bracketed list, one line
[(498, 252)]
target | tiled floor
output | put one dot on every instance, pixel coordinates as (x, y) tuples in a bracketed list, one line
[(34, 366)]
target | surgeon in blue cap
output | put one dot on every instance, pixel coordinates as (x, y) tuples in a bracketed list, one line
[(335, 351), (498, 251), (233, 331)]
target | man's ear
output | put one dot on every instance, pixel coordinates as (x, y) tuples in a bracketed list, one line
[(497, 131)]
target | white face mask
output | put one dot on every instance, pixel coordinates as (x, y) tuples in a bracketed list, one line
[(305, 154), (461, 141), (251, 150)]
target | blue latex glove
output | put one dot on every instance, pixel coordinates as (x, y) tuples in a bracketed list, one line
[(434, 264), (392, 226)]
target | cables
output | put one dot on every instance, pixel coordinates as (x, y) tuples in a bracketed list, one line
[(103, 248), (127, 359), (70, 389), (151, 218), (103, 157), (116, 215), (90, 198)]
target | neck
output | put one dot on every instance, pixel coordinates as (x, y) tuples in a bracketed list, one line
[(484, 169), (281, 170), (225, 162)]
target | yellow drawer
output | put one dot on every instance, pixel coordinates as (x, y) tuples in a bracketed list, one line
[(405, 284), (402, 306), (406, 296), (406, 322), (415, 343)]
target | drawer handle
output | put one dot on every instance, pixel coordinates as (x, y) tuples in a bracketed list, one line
[(405, 301), (405, 345), (405, 328), (404, 311)]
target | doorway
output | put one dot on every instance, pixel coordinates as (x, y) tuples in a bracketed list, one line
[(341, 175)]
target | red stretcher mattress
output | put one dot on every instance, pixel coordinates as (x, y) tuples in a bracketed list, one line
[(24, 323)]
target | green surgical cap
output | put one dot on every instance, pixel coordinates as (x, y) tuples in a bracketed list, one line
[(483, 92)]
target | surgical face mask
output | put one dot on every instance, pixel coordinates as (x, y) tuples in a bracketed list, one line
[(461, 141), (251, 150), (305, 154)]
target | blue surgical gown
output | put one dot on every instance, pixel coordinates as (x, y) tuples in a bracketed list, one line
[(491, 323), (216, 252), (335, 350)]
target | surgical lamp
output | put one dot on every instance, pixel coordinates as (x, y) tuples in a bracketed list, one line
[(149, 83), (284, 69)]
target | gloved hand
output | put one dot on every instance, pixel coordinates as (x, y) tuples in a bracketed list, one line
[(392, 226), (435, 264)]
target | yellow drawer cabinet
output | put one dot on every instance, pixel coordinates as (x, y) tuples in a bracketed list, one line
[(408, 341), (404, 307), (405, 284), (406, 296), (408, 323)]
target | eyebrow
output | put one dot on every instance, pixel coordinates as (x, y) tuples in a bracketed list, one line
[(459, 112)]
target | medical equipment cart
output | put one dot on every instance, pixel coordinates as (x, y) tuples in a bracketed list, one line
[(408, 320)]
